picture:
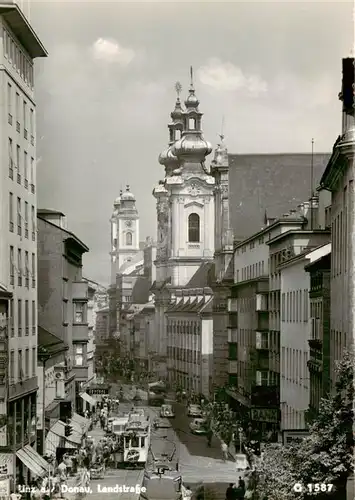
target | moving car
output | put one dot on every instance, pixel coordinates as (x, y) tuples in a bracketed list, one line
[(194, 411), (166, 411), (198, 426)]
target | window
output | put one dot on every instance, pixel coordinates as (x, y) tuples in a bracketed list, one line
[(25, 168), (11, 317), (31, 122), (262, 340), (26, 219), (27, 270), (194, 228), (20, 365), (11, 161), (25, 118), (79, 355), (17, 110), (233, 351), (79, 312), (27, 317), (9, 103), (262, 378), (33, 221), (19, 317), (34, 361), (19, 222), (12, 266), (32, 175), (11, 212), (18, 164), (33, 272), (12, 366), (27, 363), (192, 123), (33, 317), (129, 239), (19, 267)]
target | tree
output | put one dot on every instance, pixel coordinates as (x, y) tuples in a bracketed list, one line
[(325, 456)]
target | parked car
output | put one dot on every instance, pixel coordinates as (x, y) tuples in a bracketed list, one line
[(161, 423), (194, 411), (198, 426), (166, 411)]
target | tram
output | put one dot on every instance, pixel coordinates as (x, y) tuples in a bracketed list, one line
[(136, 439)]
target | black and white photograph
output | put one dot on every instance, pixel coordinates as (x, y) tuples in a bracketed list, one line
[(177, 250)]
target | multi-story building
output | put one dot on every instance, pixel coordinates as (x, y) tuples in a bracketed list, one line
[(63, 297), (338, 178), (18, 242), (190, 340), (319, 341)]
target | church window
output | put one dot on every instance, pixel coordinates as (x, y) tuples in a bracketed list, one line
[(192, 123), (129, 239), (194, 228)]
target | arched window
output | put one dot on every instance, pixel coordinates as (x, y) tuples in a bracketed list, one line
[(129, 239), (194, 228), (177, 135)]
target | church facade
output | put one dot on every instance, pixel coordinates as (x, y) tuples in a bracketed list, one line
[(192, 220)]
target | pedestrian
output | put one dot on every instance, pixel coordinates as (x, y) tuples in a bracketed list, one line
[(241, 483), (230, 492), (62, 473), (209, 437), (224, 448)]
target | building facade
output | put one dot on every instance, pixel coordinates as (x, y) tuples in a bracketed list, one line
[(185, 209), (338, 178), (63, 297), (319, 341), (20, 46)]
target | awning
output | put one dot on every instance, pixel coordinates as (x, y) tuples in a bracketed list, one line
[(83, 422), (56, 432), (86, 397), (37, 457), (30, 463)]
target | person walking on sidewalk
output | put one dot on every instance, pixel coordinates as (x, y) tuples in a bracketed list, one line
[(209, 437), (224, 448)]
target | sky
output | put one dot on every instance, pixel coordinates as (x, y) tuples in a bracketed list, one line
[(270, 71)]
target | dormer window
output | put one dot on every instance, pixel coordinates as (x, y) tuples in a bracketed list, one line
[(192, 124)]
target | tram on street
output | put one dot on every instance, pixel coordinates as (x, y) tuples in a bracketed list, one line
[(136, 440)]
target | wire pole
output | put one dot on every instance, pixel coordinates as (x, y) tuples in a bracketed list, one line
[(312, 187)]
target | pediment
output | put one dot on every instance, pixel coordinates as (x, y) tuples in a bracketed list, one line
[(194, 203)]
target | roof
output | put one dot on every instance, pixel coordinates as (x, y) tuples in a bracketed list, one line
[(203, 277), (46, 211), (317, 254), (140, 291), (301, 232), (49, 344), (22, 29), (129, 267), (70, 235), (254, 186), (4, 292)]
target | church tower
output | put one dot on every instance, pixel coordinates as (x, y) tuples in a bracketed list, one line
[(124, 232), (191, 194)]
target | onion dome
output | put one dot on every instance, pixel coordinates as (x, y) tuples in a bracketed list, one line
[(178, 112), (192, 145), (167, 158), (127, 195), (347, 142), (118, 199)]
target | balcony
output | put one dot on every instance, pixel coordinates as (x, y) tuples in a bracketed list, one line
[(232, 367), (233, 320), (80, 290), (261, 302), (80, 332), (232, 305)]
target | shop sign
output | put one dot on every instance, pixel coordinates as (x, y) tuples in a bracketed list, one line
[(6, 465), (4, 488), (3, 435), (265, 415)]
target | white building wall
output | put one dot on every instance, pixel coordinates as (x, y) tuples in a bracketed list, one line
[(206, 355), (17, 100), (294, 336)]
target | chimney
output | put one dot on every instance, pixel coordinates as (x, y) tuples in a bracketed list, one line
[(305, 209), (293, 212)]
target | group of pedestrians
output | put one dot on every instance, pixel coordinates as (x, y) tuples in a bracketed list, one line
[(236, 491)]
